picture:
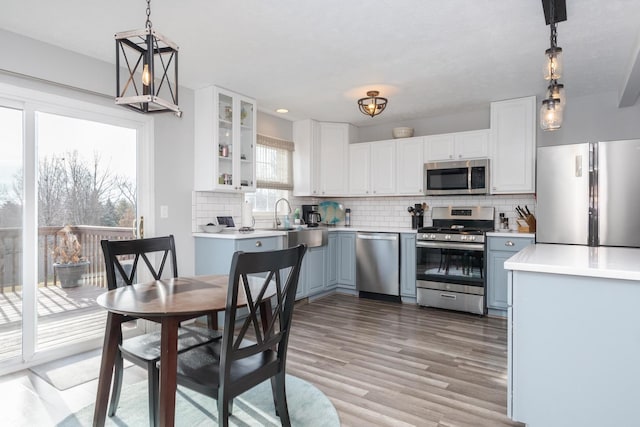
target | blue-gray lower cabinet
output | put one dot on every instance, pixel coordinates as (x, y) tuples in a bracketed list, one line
[(312, 276), (408, 265), (332, 261), (346, 261), (500, 249), (213, 256)]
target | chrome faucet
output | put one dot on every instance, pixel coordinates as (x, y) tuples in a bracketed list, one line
[(277, 221)]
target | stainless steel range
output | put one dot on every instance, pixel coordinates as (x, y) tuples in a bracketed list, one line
[(450, 259)]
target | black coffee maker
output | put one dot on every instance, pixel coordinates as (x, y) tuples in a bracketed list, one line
[(311, 215)]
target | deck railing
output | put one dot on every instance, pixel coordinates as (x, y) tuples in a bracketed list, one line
[(88, 236)]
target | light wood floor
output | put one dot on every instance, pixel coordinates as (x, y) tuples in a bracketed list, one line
[(401, 365), (381, 364)]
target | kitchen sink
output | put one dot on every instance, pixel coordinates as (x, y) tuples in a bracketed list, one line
[(312, 237)]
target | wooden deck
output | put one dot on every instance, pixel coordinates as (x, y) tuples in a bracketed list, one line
[(65, 316)]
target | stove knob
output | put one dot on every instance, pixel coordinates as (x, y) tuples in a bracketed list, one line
[(472, 237), (463, 237), (447, 237)]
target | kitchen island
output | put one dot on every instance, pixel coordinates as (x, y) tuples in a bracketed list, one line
[(574, 336)]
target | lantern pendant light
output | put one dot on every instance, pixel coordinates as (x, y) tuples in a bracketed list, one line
[(147, 70)]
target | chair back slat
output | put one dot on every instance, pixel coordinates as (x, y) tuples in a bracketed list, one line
[(260, 274), (117, 270)]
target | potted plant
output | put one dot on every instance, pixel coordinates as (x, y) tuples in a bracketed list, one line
[(68, 263)]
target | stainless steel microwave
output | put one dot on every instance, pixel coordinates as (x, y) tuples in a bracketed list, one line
[(457, 177)]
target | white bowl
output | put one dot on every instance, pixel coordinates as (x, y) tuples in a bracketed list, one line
[(213, 228), (402, 132)]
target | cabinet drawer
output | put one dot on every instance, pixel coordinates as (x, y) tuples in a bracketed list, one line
[(510, 244), (257, 245)]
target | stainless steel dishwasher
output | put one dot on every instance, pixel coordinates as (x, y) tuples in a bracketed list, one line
[(378, 264)]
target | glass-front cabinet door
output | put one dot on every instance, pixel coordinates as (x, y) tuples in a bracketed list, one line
[(225, 141)]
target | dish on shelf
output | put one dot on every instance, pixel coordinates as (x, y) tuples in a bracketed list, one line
[(331, 212)]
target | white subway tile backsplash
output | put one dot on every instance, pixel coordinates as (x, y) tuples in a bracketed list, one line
[(365, 211)]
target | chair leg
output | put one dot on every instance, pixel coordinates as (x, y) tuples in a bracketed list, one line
[(280, 398), (117, 384), (154, 393), (224, 406)]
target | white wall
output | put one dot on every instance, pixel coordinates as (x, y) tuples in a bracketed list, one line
[(474, 119), (277, 127)]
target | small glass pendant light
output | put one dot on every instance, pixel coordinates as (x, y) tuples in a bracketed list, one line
[(550, 114), (553, 64)]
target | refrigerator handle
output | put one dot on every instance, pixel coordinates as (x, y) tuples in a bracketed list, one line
[(593, 195), (578, 169)]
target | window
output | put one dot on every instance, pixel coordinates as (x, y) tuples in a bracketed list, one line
[(274, 173)]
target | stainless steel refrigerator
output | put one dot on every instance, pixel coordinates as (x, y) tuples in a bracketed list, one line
[(589, 194)]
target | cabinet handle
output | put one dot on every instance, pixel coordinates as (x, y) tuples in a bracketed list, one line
[(459, 156), (258, 244), (448, 296), (509, 243)]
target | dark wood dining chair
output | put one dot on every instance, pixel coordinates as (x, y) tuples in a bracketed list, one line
[(227, 368), (122, 259)]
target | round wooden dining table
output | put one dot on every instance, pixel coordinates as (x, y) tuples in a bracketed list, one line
[(168, 302)]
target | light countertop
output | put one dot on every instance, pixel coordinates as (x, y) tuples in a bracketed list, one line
[(236, 235), (605, 262), (258, 233), (510, 233)]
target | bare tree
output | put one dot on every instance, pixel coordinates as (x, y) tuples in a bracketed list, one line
[(74, 191), (52, 188)]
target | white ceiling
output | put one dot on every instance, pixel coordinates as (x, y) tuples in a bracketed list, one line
[(316, 58)]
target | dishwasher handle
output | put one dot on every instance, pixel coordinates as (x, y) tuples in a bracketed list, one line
[(377, 236)]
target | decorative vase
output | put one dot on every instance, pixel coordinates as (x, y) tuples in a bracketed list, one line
[(70, 275)]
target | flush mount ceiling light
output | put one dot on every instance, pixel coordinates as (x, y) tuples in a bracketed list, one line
[(552, 108), (373, 104), (147, 70)]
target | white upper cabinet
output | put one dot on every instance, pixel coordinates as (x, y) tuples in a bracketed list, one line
[(383, 167), (439, 147), (359, 169), (225, 141), (410, 166), (513, 146), (457, 146), (306, 158), (321, 157), (334, 157), (372, 168)]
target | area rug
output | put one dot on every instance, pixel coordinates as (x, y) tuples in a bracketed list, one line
[(72, 371), (308, 406)]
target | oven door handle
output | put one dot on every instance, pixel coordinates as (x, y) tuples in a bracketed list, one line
[(451, 245)]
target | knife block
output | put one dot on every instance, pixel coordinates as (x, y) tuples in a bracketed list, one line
[(527, 225)]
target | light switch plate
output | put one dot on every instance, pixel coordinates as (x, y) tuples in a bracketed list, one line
[(164, 211)]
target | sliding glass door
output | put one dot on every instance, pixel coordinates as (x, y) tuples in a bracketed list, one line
[(70, 177), (86, 192), (11, 226)]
